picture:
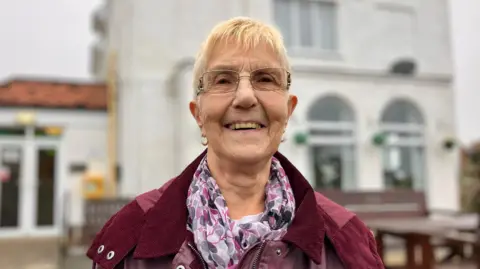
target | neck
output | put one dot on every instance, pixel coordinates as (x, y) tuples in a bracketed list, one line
[(242, 185)]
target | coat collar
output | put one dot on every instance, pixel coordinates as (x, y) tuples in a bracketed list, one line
[(164, 230)]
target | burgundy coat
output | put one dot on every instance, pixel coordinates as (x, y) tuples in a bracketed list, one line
[(150, 233)]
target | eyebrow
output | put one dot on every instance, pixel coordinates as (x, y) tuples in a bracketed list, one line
[(236, 67)]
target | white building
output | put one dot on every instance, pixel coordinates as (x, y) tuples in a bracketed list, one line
[(51, 132), (343, 54)]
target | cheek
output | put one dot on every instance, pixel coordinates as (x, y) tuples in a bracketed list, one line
[(209, 119), (277, 110), (211, 112)]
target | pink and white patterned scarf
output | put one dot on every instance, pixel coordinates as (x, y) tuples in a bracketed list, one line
[(219, 240)]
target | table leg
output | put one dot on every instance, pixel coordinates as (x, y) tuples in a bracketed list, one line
[(410, 244), (379, 236), (428, 257), (476, 255)]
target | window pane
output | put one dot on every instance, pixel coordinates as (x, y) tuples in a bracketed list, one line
[(330, 108), (46, 186), (12, 131), (305, 16), (313, 24), (402, 111), (283, 19), (327, 24), (10, 177), (330, 133), (334, 167), (48, 131), (400, 135), (403, 167)]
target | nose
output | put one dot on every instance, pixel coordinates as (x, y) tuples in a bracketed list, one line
[(245, 94)]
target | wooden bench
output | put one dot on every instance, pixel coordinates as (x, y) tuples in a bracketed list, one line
[(382, 204)]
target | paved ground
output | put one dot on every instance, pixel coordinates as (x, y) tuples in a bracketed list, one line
[(36, 254)]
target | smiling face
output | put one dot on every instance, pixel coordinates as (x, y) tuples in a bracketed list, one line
[(243, 122)]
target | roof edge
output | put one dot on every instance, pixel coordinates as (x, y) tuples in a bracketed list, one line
[(51, 80)]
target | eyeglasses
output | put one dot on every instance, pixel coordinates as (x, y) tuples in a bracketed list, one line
[(226, 81)]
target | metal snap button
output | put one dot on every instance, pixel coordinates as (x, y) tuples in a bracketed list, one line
[(180, 267), (100, 249), (110, 255), (278, 252)]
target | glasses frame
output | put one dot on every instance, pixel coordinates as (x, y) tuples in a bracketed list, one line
[(201, 89)]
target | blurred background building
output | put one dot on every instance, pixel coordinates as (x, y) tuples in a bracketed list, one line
[(379, 108), (374, 80), (50, 131)]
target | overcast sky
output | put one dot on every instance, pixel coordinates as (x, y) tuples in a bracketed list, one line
[(45, 37), (52, 38)]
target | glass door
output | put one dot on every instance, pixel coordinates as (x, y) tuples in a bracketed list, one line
[(45, 182), (29, 182), (11, 179)]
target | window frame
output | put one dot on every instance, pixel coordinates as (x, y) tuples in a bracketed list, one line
[(317, 49), (346, 139), (415, 140)]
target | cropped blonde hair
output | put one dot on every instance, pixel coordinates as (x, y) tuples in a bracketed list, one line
[(248, 33)]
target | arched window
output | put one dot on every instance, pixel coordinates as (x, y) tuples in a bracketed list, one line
[(332, 137), (403, 155)]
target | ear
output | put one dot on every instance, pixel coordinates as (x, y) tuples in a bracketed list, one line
[(195, 111), (292, 104)]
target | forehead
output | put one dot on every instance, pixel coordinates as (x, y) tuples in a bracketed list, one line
[(233, 56)]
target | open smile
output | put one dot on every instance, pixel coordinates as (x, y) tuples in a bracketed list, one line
[(244, 126)]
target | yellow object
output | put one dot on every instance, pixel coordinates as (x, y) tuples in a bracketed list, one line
[(94, 186), (52, 130), (25, 118)]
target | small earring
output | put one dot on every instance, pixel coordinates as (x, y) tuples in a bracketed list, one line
[(204, 140)]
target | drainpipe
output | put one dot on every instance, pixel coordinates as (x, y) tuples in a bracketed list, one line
[(174, 93)]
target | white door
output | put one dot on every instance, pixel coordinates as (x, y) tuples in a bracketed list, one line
[(29, 182), (12, 171)]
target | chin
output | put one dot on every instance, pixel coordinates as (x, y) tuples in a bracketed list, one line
[(250, 154)]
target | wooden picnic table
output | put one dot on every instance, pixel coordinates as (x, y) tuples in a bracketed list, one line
[(417, 232), (404, 213), (465, 222)]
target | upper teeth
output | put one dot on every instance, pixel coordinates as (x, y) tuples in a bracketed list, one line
[(245, 125)]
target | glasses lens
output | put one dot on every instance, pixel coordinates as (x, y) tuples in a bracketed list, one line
[(269, 79), (220, 81)]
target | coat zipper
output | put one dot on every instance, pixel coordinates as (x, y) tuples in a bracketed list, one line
[(204, 264), (257, 255)]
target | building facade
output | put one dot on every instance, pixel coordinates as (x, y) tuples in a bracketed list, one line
[(50, 133), (373, 78)]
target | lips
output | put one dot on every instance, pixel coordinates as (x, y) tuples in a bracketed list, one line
[(245, 126)]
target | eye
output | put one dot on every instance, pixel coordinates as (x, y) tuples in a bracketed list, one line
[(263, 77), (223, 80)]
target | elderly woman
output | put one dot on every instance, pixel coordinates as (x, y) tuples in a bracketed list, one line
[(240, 204)]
